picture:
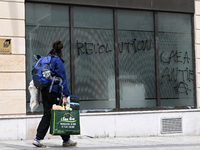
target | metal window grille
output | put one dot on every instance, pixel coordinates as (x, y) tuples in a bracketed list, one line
[(171, 125)]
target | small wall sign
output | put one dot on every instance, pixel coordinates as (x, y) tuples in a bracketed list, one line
[(5, 46)]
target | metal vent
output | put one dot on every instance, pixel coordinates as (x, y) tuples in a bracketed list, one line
[(171, 125)]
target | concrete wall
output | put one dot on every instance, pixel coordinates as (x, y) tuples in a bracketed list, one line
[(102, 125), (12, 66)]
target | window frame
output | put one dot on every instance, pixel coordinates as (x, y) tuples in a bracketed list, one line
[(135, 5)]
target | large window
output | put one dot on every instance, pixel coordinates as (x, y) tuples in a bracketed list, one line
[(176, 59), (121, 58), (94, 57), (45, 24), (136, 59)]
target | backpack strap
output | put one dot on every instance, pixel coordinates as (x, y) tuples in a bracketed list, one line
[(53, 55)]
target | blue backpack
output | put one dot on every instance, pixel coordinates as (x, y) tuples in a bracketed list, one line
[(42, 71)]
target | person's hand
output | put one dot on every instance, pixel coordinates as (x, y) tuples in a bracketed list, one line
[(64, 100)]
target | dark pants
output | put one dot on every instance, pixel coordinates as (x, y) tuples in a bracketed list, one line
[(48, 100)]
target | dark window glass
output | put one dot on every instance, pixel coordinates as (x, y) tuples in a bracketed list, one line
[(94, 54), (176, 59), (45, 24), (94, 57), (136, 59)]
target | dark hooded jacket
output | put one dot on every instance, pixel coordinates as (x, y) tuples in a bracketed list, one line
[(58, 70)]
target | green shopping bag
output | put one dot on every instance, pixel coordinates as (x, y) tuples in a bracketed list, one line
[(65, 122)]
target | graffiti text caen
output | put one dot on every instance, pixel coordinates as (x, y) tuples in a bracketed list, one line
[(172, 73)]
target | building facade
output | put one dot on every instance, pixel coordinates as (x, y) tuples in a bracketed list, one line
[(134, 65)]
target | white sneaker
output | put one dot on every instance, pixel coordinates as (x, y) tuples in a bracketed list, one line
[(69, 143), (37, 143)]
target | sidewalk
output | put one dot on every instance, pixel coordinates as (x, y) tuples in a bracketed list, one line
[(135, 143)]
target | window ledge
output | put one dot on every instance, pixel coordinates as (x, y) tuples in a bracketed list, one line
[(107, 113), (140, 112)]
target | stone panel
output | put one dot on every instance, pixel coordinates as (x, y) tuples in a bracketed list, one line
[(197, 20), (106, 126), (198, 65), (12, 27), (197, 7), (198, 36), (13, 81), (13, 129), (13, 102), (12, 63), (12, 10), (197, 51), (18, 46), (198, 97), (32, 124), (198, 80), (137, 125), (31, 128)]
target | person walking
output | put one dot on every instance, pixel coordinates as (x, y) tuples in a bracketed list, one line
[(53, 97)]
